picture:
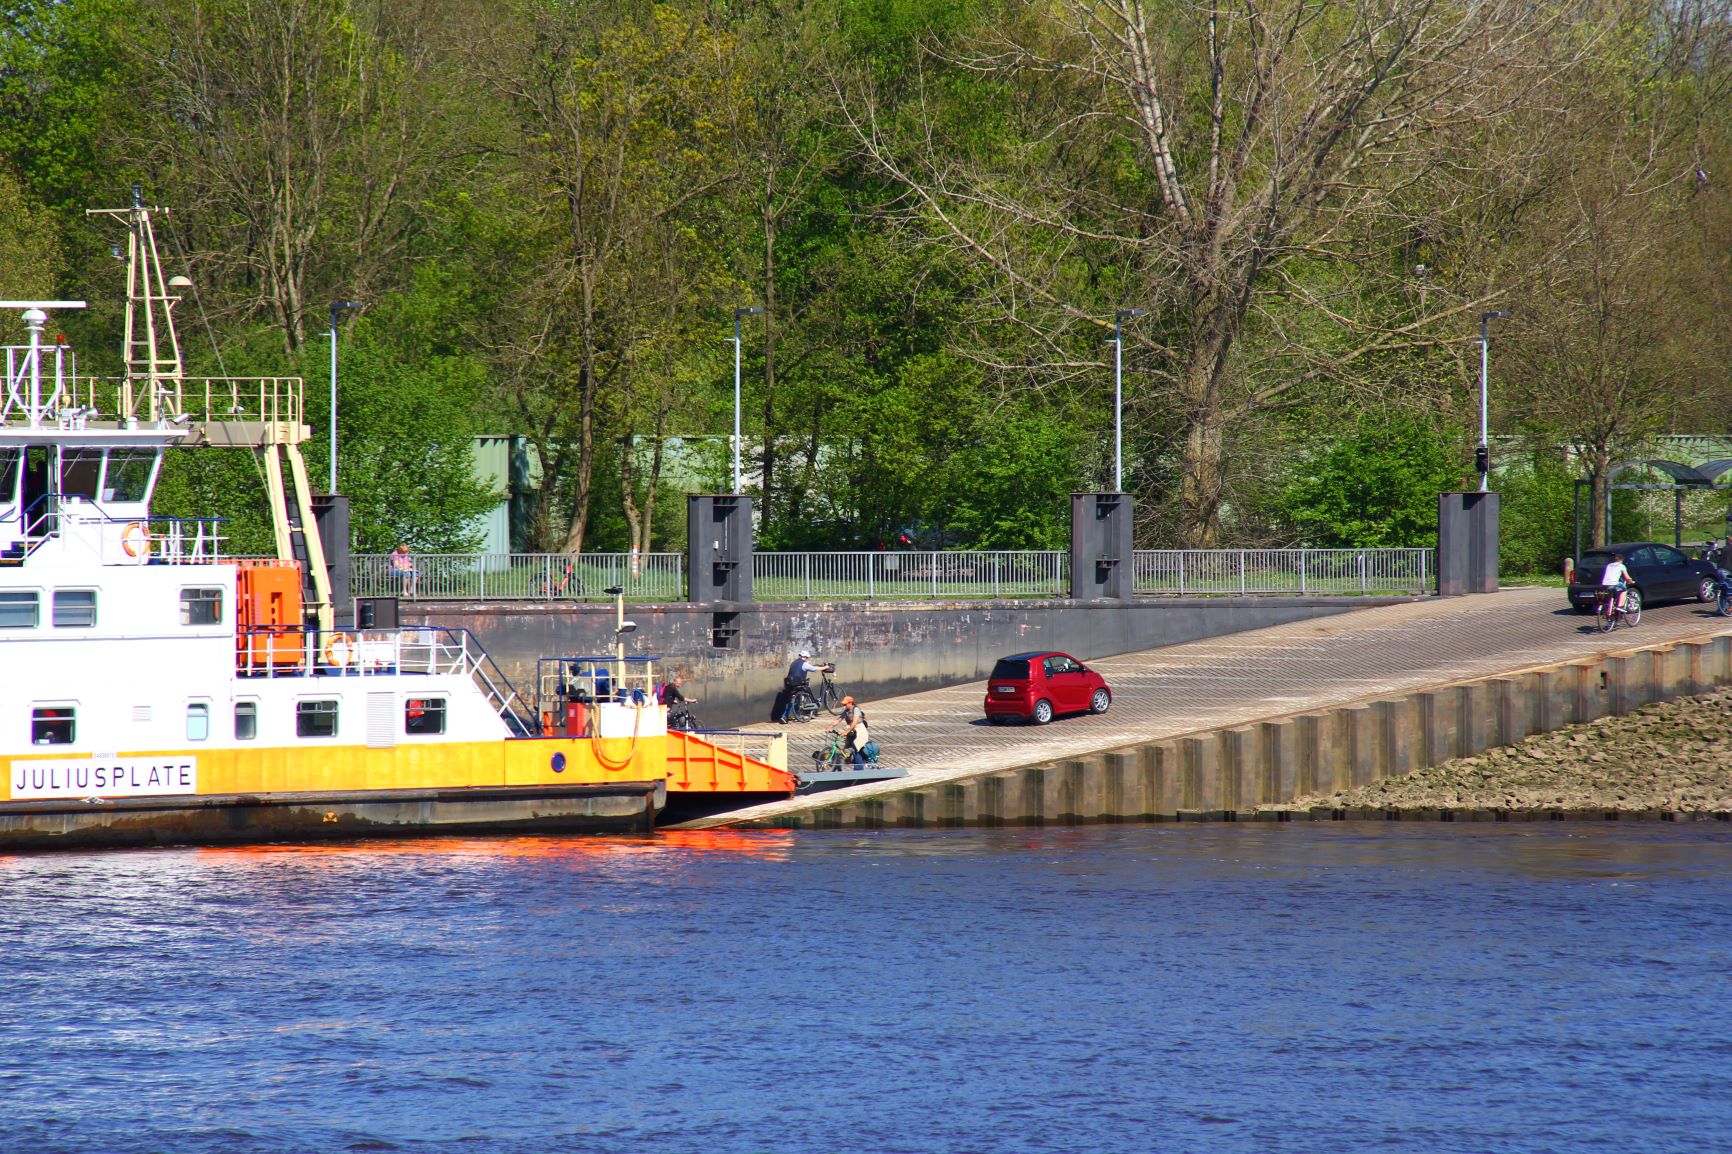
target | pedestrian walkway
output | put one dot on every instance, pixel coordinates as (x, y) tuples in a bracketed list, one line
[(1239, 678)]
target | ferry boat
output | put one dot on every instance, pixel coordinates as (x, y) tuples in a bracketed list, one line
[(155, 689)]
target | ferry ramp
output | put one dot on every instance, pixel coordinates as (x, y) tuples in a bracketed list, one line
[(1236, 679)]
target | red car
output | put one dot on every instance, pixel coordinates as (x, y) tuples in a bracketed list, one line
[(1037, 686)]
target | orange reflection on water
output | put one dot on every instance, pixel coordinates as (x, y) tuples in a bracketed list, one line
[(765, 845)]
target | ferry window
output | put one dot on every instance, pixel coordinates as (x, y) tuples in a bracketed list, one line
[(128, 476), (246, 720), (79, 470), (198, 722), (53, 725), (20, 609), (74, 607), (201, 606), (424, 715), (8, 475), (315, 719)]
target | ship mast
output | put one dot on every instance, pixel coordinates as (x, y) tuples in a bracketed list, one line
[(154, 374)]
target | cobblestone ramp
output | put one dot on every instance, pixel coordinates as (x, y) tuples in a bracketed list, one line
[(1238, 678)]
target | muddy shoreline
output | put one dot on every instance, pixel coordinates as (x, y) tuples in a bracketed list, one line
[(1669, 758)]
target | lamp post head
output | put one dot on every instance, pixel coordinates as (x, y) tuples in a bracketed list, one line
[(614, 590), (1496, 316), (1125, 314), (751, 312), (342, 307)]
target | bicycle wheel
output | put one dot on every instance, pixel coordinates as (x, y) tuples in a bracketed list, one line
[(832, 699), (1724, 607), (1606, 617), (804, 707), (1633, 610)]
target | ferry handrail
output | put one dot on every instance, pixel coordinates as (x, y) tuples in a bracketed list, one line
[(350, 652)]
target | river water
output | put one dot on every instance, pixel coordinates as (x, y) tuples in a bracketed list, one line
[(1327, 988)]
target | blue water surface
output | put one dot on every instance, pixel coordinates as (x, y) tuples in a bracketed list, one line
[(1303, 987)]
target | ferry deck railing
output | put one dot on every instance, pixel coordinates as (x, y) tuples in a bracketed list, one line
[(298, 651)]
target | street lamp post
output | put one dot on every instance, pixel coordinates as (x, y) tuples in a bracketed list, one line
[(738, 313), (1118, 339), (1482, 458), (336, 307)]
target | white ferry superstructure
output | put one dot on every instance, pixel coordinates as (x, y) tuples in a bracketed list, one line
[(155, 689)]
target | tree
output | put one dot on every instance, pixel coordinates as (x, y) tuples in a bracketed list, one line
[(296, 138), (1375, 487), (1616, 333), (1185, 159), (614, 139)]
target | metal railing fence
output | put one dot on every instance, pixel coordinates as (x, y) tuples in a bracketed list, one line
[(951, 573), (864, 575), (1182, 572), (524, 576)]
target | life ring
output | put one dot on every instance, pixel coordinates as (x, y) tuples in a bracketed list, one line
[(339, 650), (135, 539)]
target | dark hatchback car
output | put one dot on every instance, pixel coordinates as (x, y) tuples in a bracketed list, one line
[(1660, 573), (1038, 686)]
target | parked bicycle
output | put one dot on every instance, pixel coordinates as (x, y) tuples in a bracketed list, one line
[(1608, 614)]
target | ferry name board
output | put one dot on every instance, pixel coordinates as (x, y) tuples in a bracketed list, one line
[(131, 777)]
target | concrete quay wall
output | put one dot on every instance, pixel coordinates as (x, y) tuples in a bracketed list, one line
[(883, 648), (1224, 774)]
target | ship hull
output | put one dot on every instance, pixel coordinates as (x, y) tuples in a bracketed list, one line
[(614, 807)]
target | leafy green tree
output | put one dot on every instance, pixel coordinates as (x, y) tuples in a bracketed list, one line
[(1537, 513), (1375, 487)]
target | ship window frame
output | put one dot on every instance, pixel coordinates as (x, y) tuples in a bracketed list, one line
[(11, 468), (61, 620), (435, 711), (198, 709), (81, 473), (188, 601), (252, 730), (306, 711), (45, 723), (17, 597), (125, 458)]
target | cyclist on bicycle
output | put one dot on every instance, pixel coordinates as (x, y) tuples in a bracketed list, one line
[(797, 681), (1618, 579)]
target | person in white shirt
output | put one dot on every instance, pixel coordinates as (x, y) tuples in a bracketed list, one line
[(1617, 576)]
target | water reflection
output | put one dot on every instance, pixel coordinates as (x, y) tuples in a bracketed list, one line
[(1304, 987)]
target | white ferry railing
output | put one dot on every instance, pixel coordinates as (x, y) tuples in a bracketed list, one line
[(1190, 572), (72, 401), (523, 576), (769, 747), (931, 574), (294, 651)]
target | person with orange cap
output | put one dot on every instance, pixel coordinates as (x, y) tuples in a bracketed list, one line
[(852, 726)]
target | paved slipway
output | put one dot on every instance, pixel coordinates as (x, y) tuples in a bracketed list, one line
[(1239, 678)]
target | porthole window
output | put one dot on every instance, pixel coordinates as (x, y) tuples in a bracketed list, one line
[(246, 720), (201, 606), (198, 721), (74, 608), (53, 725), (424, 715), (315, 719)]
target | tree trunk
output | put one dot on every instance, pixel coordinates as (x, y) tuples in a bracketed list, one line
[(585, 457), (769, 478)]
